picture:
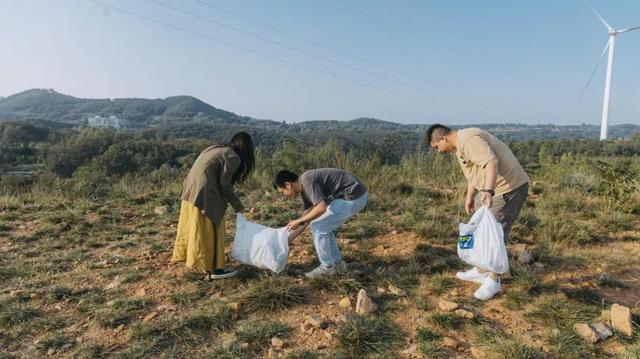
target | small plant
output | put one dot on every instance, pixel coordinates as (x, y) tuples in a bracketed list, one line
[(273, 293), (428, 343), (14, 314), (360, 336), (438, 284), (258, 334), (505, 347), (61, 293), (561, 313), (446, 321), (55, 341)]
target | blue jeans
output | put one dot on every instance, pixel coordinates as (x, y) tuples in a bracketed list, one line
[(338, 212)]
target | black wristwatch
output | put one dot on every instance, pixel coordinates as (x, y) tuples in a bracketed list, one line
[(301, 222), (489, 191)]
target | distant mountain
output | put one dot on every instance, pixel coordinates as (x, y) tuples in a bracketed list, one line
[(137, 113), (189, 117)]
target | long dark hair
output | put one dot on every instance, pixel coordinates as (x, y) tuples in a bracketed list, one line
[(243, 145)]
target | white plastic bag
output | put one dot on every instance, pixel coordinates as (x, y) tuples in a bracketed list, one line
[(481, 242), (260, 246)]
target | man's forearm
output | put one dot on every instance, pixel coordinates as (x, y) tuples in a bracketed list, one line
[(471, 190), (317, 211), (491, 174)]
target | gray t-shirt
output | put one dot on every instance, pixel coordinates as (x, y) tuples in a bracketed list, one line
[(328, 184)]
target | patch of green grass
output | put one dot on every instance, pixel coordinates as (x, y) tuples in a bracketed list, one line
[(561, 313), (505, 347), (123, 311), (55, 341), (61, 293), (429, 344), (302, 354), (183, 298), (446, 321), (259, 333), (584, 295), (14, 314), (437, 259), (438, 284), (360, 336), (607, 281), (339, 282), (568, 345), (273, 293), (524, 279)]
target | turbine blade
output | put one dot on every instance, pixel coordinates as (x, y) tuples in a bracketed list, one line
[(599, 17), (606, 47), (628, 29)]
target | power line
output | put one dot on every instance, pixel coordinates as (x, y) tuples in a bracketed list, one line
[(275, 58), (240, 47), (369, 62), (292, 48)]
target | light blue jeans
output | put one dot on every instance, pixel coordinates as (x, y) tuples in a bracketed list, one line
[(324, 239)]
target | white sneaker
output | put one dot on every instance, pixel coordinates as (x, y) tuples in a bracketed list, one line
[(472, 275), (488, 289), (320, 271)]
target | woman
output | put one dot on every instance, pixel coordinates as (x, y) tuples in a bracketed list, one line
[(206, 192)]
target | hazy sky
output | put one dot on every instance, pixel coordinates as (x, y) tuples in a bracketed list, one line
[(449, 61)]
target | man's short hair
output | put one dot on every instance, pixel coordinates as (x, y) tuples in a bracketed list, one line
[(284, 176), (436, 132)]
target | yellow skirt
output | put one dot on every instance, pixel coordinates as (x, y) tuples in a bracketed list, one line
[(199, 243)]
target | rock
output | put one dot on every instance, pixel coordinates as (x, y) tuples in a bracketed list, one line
[(115, 283), (448, 342), (51, 351), (464, 313), (394, 233), (345, 303), (325, 324), (161, 210), (235, 305), (141, 292), (525, 257), (411, 350), (79, 339), (277, 343), (315, 320), (244, 345), (381, 290), (602, 330), (306, 327), (454, 293), (149, 316), (364, 304), (585, 332), (621, 319), (517, 249), (447, 306), (329, 335), (397, 291), (216, 296), (478, 353)]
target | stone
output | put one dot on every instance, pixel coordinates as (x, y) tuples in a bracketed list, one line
[(447, 306), (585, 332), (277, 343), (394, 233), (51, 351), (141, 292), (79, 339), (465, 313), (315, 320), (115, 283), (364, 304), (397, 291), (235, 305), (345, 303), (161, 210), (606, 316), (602, 330), (381, 290), (621, 319), (244, 345), (306, 327), (525, 257), (449, 342), (454, 293), (478, 353), (411, 350), (517, 249), (149, 316)]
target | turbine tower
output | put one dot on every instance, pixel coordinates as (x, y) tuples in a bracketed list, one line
[(604, 128)]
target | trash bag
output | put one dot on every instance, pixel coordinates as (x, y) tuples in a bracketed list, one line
[(481, 242), (260, 246)]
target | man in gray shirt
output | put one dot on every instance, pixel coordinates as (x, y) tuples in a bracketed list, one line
[(330, 197)]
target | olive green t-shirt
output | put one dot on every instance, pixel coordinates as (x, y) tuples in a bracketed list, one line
[(476, 147)]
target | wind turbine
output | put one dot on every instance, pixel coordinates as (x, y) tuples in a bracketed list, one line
[(604, 128)]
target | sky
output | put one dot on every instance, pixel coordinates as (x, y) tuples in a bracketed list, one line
[(407, 61)]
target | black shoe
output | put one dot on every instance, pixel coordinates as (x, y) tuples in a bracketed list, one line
[(220, 274)]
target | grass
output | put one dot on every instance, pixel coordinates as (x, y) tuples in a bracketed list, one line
[(123, 311), (272, 294), (429, 344), (339, 282), (14, 314), (259, 333), (438, 284), (505, 347), (561, 313), (360, 336), (446, 321), (568, 345)]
